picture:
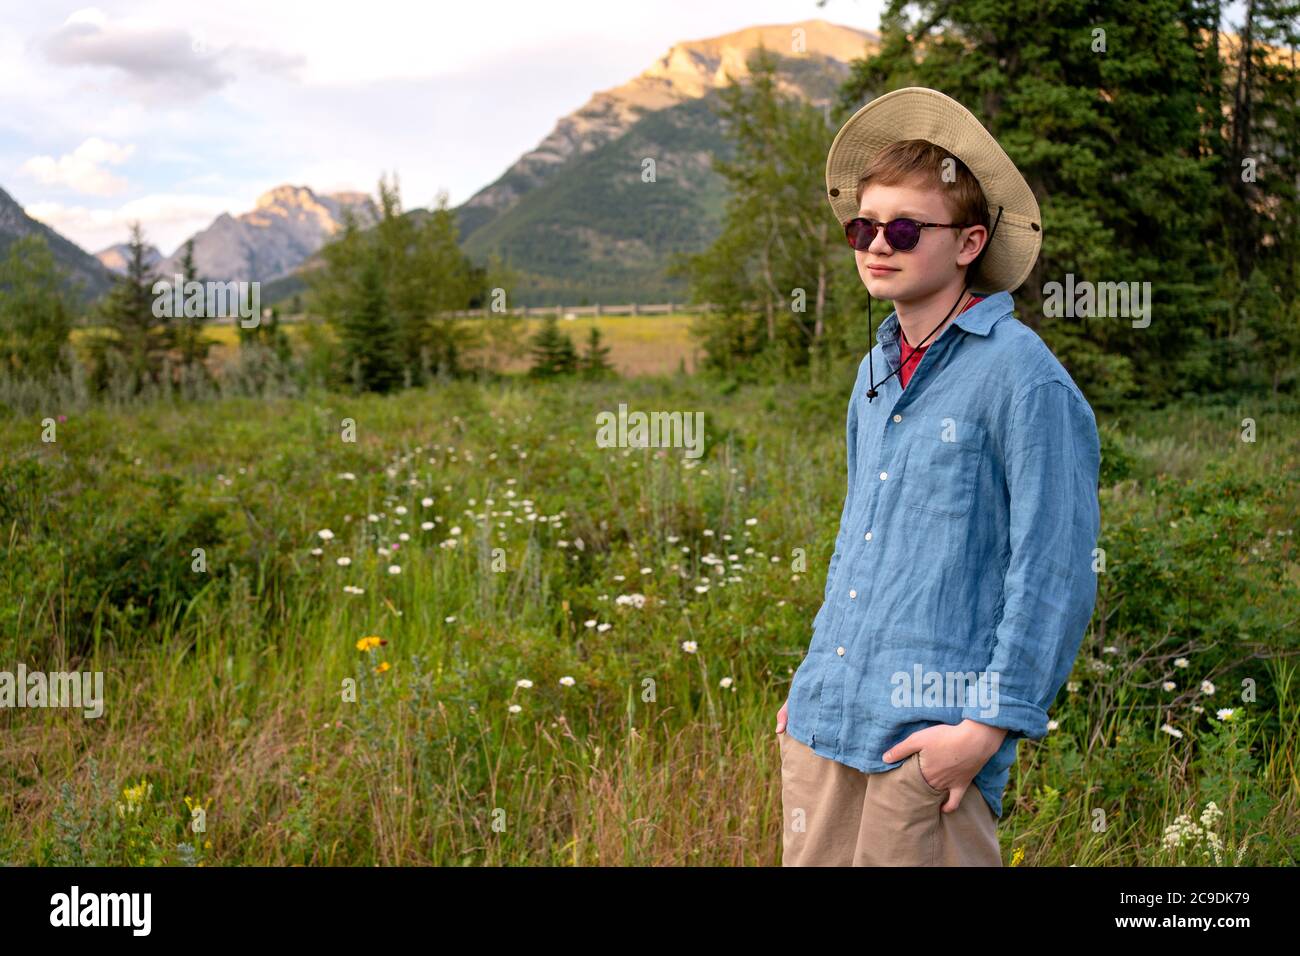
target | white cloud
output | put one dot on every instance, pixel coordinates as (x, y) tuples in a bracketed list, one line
[(155, 62), (82, 170), (168, 218)]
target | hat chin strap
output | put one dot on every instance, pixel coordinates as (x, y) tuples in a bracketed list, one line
[(871, 392)]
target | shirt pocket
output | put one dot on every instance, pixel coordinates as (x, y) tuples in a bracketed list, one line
[(944, 455)]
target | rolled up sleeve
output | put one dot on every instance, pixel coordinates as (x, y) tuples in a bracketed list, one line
[(1053, 457)]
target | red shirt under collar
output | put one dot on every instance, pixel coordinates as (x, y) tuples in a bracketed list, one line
[(912, 357)]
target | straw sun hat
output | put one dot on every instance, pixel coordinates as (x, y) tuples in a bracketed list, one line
[(920, 113)]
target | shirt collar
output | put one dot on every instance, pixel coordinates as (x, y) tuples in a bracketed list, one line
[(979, 318)]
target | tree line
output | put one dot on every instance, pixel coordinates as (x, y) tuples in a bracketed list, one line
[(1162, 142)]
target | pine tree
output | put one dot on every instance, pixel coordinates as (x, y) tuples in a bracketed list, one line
[(187, 331), (134, 334), (369, 334), (553, 351), (595, 358), (35, 311)]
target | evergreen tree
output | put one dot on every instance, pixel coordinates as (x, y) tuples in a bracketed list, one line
[(35, 312), (370, 339), (595, 358), (187, 330), (780, 246), (553, 351), (133, 333)]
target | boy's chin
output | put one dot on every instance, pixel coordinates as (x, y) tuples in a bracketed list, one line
[(890, 287)]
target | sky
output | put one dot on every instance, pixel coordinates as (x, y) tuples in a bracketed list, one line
[(173, 112)]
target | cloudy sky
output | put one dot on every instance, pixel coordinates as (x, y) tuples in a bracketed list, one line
[(173, 112)]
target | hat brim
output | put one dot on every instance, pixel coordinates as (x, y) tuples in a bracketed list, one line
[(920, 113)]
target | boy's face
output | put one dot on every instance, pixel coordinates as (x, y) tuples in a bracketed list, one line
[(933, 264)]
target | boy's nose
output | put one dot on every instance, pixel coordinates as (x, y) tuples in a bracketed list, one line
[(879, 244)]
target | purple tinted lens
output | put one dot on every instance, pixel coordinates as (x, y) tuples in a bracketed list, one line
[(859, 233), (902, 234)]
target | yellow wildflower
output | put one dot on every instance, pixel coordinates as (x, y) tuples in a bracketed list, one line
[(369, 643), (382, 667)]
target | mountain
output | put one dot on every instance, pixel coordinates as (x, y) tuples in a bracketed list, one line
[(115, 257), (83, 268), (288, 224), (688, 71), (573, 217)]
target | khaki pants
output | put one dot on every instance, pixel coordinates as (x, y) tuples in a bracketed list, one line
[(838, 816)]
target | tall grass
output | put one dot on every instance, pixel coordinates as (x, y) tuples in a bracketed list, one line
[(230, 686)]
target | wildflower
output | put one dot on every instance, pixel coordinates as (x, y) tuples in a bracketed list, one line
[(1207, 687), (634, 600), (603, 627), (325, 534), (449, 619), (1225, 713), (455, 530), (348, 476), (647, 570), (369, 643), (689, 647), (751, 521), (394, 569), (725, 682), (1171, 731), (403, 537), (382, 667), (1168, 685), (514, 708), (1180, 662), (1072, 686), (353, 589), (135, 798), (426, 526), (567, 681), (343, 562), (1052, 725), (590, 623), (317, 551), (701, 588), (426, 502), (523, 682), (400, 509)]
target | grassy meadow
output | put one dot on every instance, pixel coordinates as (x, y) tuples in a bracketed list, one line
[(472, 636)]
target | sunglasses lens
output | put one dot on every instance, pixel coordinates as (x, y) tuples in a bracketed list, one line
[(859, 233), (902, 234)]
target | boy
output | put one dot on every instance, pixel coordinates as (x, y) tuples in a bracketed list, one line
[(962, 578)]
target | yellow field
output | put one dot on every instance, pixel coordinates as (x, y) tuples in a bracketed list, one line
[(639, 345)]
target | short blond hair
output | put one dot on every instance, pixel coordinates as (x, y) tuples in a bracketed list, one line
[(922, 163)]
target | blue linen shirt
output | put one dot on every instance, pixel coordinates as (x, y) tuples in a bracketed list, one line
[(964, 552)]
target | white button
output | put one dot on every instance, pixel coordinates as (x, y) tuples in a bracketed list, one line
[(884, 475), (853, 594), (867, 536), (839, 651), (898, 418)]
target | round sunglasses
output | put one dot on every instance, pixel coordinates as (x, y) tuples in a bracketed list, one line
[(901, 234)]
